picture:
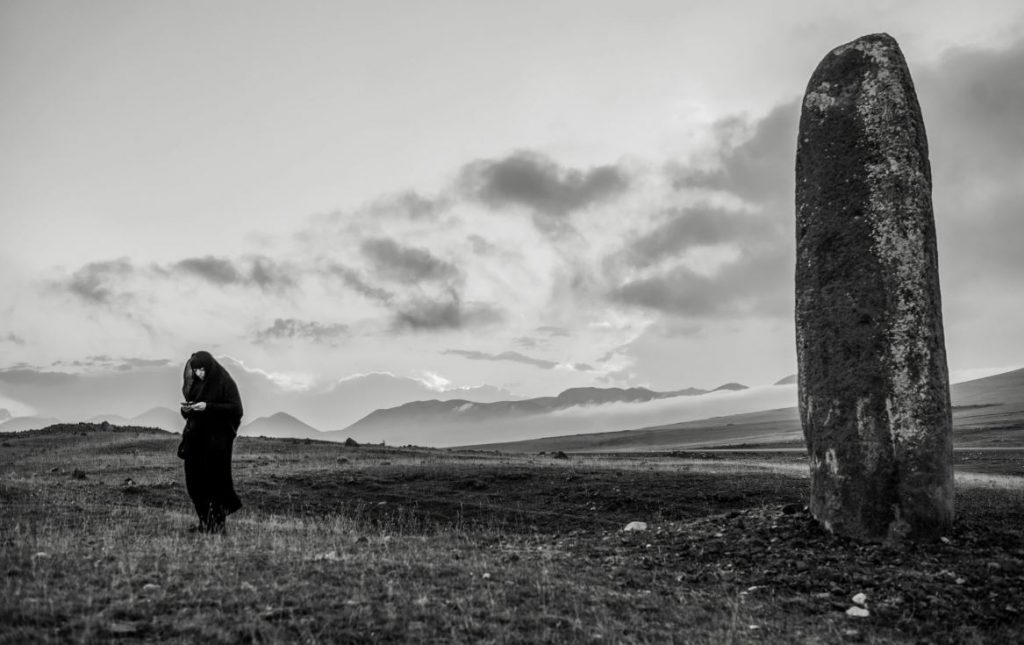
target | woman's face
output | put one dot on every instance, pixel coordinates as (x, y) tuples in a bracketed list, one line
[(199, 373)]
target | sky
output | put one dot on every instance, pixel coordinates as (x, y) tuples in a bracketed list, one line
[(530, 196)]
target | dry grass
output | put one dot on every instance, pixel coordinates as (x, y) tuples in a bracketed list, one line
[(97, 558), (135, 573)]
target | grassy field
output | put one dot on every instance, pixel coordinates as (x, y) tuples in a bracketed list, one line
[(375, 544)]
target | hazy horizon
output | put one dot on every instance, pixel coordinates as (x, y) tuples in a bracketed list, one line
[(126, 395)]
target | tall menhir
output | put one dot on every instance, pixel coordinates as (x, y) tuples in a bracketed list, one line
[(873, 382)]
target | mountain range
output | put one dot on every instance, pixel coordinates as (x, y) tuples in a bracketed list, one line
[(987, 412), (123, 393), (605, 418), (459, 411), (440, 421), (453, 424)]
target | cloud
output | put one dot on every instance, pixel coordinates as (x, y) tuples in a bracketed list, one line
[(554, 331), (536, 182), (980, 91), (760, 283), (970, 100), (971, 104), (481, 246), (14, 339), (406, 264), (214, 270), (104, 363), (545, 335), (290, 328), (256, 270), (128, 364), (691, 227), (618, 376), (724, 257), (412, 309), (96, 282), (267, 274), (409, 204), (24, 375), (353, 280), (755, 158), (514, 357), (448, 312), (106, 283)]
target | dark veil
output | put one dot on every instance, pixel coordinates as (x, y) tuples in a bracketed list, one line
[(187, 381), (217, 388)]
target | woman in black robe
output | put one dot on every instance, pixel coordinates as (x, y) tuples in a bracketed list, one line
[(212, 412)]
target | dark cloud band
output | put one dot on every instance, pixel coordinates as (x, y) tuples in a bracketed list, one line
[(536, 182), (514, 357), (96, 283), (254, 271), (406, 264), (291, 328), (445, 313), (353, 280)]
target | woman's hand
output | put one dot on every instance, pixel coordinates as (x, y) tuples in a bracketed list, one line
[(199, 407)]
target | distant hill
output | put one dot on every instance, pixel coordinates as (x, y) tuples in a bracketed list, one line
[(1006, 389), (599, 395), (435, 416), (769, 426), (113, 419), (18, 424), (159, 417), (730, 387), (986, 412), (990, 406), (787, 380), (280, 425)]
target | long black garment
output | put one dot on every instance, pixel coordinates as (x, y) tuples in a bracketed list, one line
[(209, 437)]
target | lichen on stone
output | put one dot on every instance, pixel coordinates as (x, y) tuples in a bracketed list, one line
[(821, 99)]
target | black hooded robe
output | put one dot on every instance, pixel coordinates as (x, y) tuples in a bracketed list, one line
[(209, 437)]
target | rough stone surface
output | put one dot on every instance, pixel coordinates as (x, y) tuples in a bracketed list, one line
[(873, 381)]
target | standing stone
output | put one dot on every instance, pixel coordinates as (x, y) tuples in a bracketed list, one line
[(873, 382)]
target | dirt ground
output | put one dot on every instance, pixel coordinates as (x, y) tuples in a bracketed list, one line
[(728, 526)]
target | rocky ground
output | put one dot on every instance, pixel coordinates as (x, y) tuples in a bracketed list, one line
[(375, 544)]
